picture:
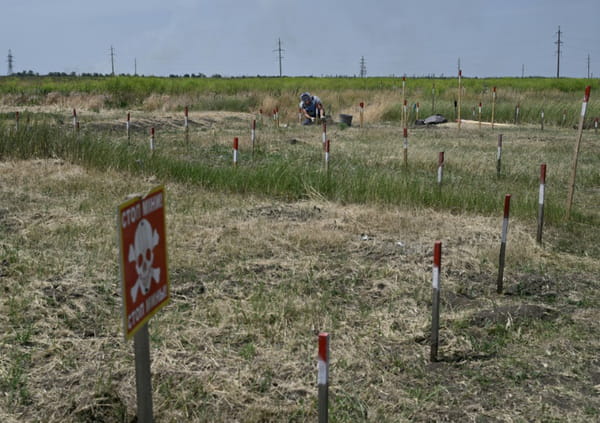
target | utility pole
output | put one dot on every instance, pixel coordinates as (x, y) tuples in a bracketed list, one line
[(135, 66), (10, 62), (459, 64), (558, 44), (588, 63), (112, 60), (523, 70), (363, 67), (279, 50)]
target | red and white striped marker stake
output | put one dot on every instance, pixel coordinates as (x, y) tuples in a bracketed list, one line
[(324, 138), (586, 98), (361, 110), (459, 95), (493, 105), (435, 309), (75, 119), (323, 377), (235, 151), (503, 243), (480, 107), (405, 145), (440, 170), (17, 120), (405, 114), (128, 126), (152, 140), (253, 134), (185, 118), (540, 222), (499, 155), (326, 148)]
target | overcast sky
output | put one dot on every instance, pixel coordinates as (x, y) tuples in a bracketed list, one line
[(238, 37)]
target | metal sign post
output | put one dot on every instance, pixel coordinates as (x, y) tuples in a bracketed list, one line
[(145, 281)]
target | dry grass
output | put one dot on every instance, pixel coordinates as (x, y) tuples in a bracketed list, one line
[(255, 279)]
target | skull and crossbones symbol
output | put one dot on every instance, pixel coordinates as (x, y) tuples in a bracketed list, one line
[(142, 253)]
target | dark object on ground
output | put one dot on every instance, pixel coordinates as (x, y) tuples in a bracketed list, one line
[(435, 119), (347, 119)]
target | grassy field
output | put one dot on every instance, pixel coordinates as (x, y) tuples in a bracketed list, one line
[(265, 255), (559, 99)]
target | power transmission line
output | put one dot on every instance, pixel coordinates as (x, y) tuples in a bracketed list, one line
[(558, 43), (363, 67), (10, 62), (279, 50)]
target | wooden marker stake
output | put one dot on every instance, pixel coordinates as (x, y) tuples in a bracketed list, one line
[(499, 155), (586, 98), (235, 151), (152, 140), (324, 137), (128, 126), (459, 95), (435, 309), (323, 377), (503, 243), (540, 222), (440, 169), (253, 134), (542, 119), (517, 111), (17, 120), (417, 110), (326, 148), (361, 113), (493, 105), (480, 115), (405, 147)]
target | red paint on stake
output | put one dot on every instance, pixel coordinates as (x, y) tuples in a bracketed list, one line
[(235, 151), (323, 376), (435, 309)]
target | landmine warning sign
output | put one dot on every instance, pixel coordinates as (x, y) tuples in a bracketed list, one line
[(143, 258)]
